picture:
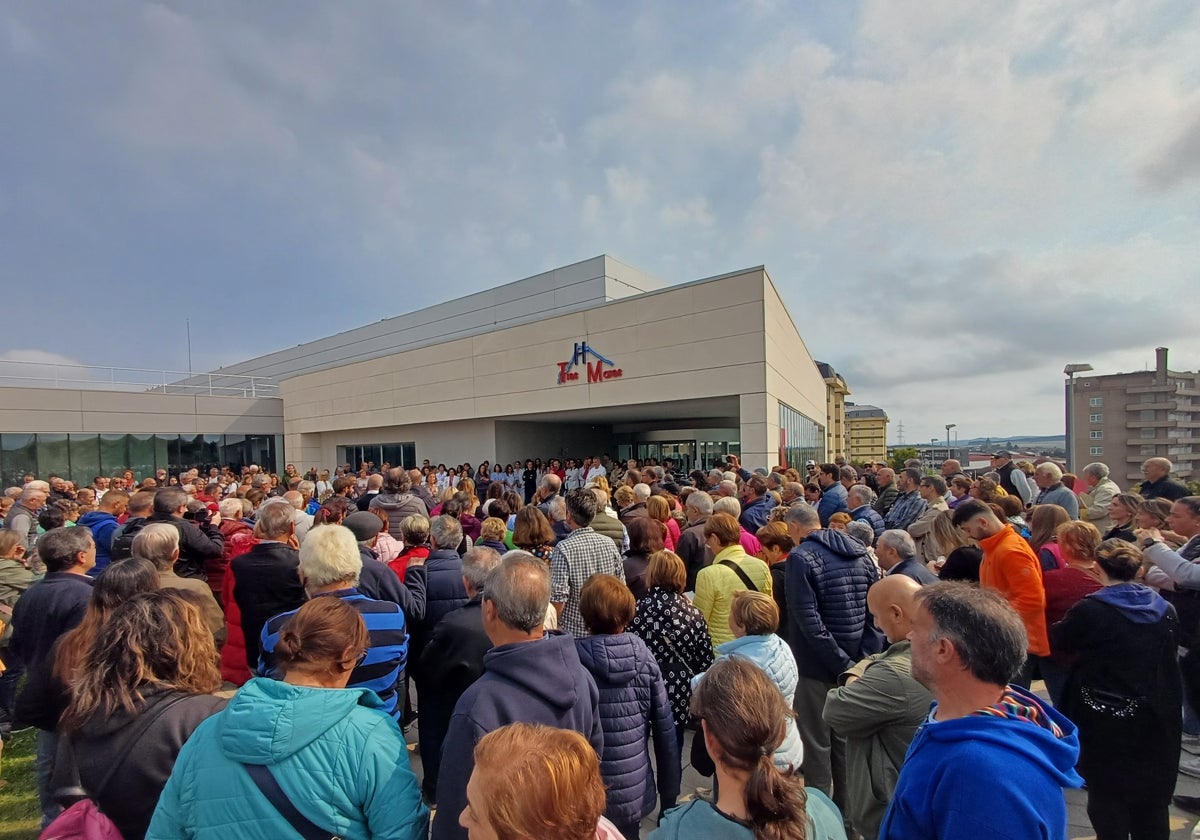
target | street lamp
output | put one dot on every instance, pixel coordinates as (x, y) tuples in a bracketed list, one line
[(949, 426), (1070, 371)]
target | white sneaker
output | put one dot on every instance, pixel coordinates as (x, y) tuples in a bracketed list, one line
[(1189, 765)]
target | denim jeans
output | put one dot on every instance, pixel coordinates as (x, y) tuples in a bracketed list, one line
[(47, 749)]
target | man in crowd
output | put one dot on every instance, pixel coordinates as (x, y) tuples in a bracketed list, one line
[(22, 518), (576, 558), (452, 661), (397, 500), (950, 468), (858, 499), (1011, 568), (374, 486), (46, 611), (756, 504), (1098, 497), (692, 547), (887, 490), (300, 515), (199, 541), (329, 567), (995, 773), (908, 505), (932, 489), (792, 492), (847, 476), (826, 581), (1158, 483), (266, 579), (878, 707), (419, 490), (103, 522), (1011, 479), (833, 494), (897, 555), (1052, 491), (548, 489), (159, 543), (529, 676)]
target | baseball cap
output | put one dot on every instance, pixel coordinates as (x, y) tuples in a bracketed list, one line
[(363, 524)]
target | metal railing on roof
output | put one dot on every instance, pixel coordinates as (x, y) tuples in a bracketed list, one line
[(19, 374)]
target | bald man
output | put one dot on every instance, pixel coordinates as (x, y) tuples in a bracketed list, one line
[(878, 707)]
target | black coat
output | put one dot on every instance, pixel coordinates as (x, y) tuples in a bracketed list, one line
[(266, 583), (451, 661), (444, 593), (198, 543), (694, 552), (131, 794), (1135, 755)]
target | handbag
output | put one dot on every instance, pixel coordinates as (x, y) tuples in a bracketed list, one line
[(265, 781), (737, 570), (84, 820)]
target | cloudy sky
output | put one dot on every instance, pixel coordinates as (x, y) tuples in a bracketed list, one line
[(955, 198)]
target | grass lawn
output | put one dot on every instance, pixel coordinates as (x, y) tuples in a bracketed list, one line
[(20, 818)]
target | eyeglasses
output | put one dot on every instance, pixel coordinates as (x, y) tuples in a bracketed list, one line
[(361, 658)]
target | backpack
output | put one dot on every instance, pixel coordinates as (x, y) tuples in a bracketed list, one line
[(122, 543)]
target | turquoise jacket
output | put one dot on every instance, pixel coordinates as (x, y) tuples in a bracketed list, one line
[(339, 758)]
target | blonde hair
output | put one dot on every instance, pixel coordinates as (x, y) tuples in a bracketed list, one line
[(493, 529), (754, 612), (540, 782)]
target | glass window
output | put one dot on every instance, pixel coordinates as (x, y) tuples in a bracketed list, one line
[(1095, 418), (18, 456), (1146, 414), (1097, 450), (142, 455), (1097, 434), (191, 454), (85, 458), (800, 438), (1149, 449), (162, 451), (53, 456), (1146, 433), (114, 453), (1096, 402)]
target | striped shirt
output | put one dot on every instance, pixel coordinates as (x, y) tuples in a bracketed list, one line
[(387, 651)]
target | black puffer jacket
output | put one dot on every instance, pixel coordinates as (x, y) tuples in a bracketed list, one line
[(828, 575), (633, 705)]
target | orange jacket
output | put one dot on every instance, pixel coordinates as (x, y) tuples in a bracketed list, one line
[(1012, 569)]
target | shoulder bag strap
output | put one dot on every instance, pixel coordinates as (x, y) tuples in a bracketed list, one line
[(132, 742), (265, 780), (737, 570)]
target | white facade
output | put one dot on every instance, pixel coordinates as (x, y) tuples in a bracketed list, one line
[(709, 360)]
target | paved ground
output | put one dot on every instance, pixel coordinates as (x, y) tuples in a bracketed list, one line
[(1079, 827)]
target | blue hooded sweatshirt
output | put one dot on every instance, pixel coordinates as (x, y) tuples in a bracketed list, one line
[(340, 760), (993, 776), (1139, 603), (102, 525)]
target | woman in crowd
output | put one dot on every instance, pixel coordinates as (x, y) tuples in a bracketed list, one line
[(776, 546), (1121, 512), (534, 781), (839, 521), (467, 504), (732, 569), (491, 534), (633, 707), (144, 686), (1079, 576), (674, 631), (645, 538), (1014, 513), (960, 489), (754, 618), (986, 490), (532, 532), (328, 748), (742, 720), (1153, 513), (960, 554), (414, 537), (659, 508), (1043, 525), (1124, 693)]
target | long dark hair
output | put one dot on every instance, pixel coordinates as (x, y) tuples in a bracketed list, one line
[(744, 713)]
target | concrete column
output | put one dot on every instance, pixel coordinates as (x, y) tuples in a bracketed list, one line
[(759, 429)]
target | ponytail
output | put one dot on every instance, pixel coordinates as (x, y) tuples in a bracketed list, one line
[(774, 800)]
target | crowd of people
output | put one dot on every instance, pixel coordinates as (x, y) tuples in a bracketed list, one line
[(852, 649)]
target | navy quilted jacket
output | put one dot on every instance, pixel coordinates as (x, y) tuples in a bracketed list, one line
[(828, 575), (444, 593), (633, 710)]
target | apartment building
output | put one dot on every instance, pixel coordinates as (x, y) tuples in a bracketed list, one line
[(866, 430), (1121, 419), (836, 390)]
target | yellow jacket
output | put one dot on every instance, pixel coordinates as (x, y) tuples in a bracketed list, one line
[(716, 584)]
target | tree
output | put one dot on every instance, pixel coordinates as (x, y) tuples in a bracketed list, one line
[(902, 454)]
